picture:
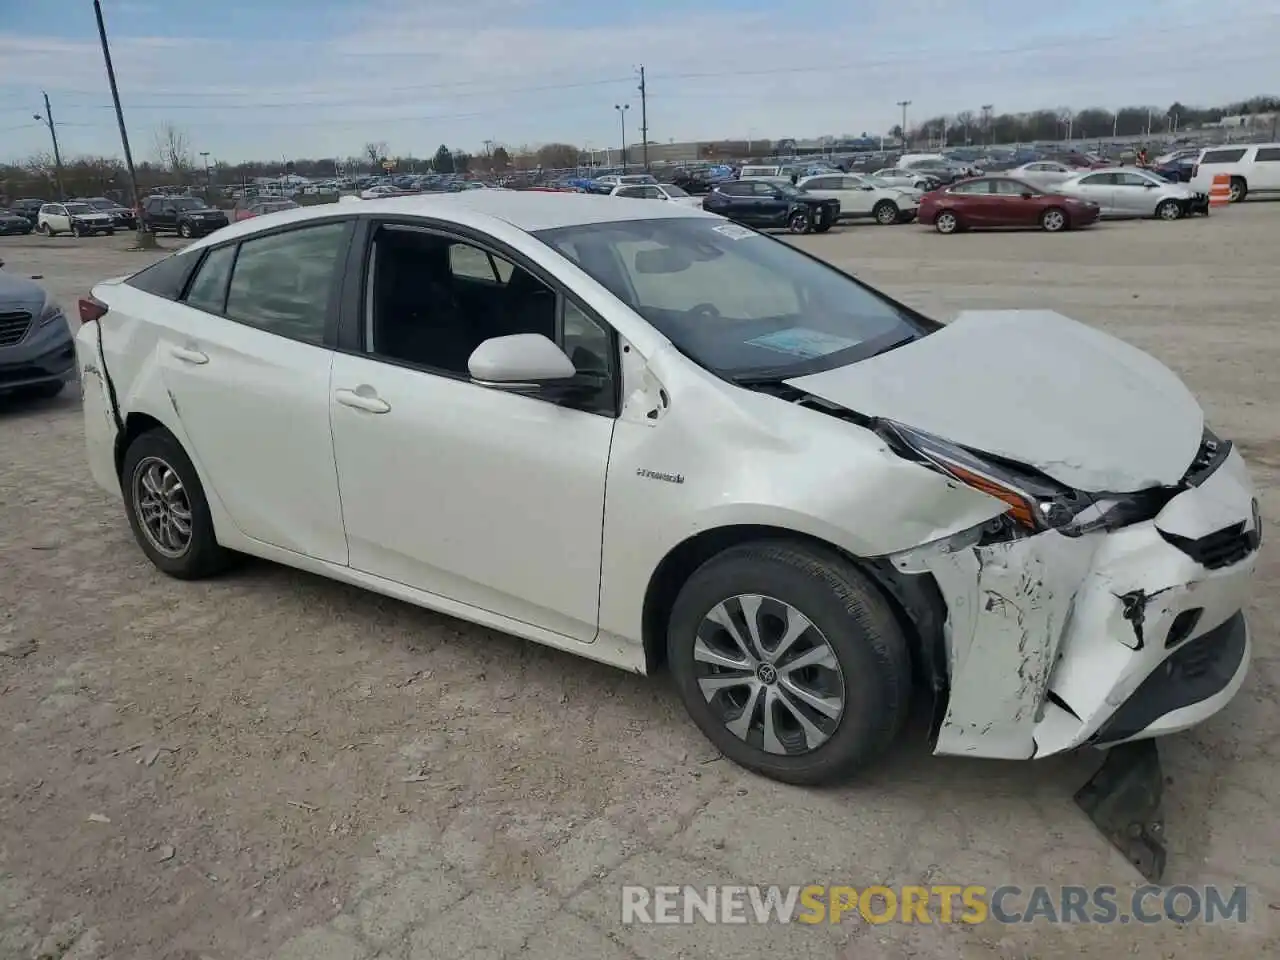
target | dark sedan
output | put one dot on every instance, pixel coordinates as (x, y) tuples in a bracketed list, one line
[(37, 354), (13, 221), (125, 218), (765, 203), (1003, 202)]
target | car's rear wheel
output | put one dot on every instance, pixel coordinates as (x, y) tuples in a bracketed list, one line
[(946, 222), (1169, 210), (184, 230), (790, 661), (886, 212), (44, 229), (1054, 220), (1239, 189), (167, 508), (799, 222)]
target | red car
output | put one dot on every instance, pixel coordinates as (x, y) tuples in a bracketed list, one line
[(1002, 202)]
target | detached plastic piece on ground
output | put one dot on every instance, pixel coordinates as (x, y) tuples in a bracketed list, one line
[(1125, 800)]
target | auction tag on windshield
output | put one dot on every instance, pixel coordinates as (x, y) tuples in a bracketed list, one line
[(734, 231), (803, 342)]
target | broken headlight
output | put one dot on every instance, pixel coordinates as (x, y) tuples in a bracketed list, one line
[(1036, 503)]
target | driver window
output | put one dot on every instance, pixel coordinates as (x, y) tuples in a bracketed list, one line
[(1011, 188)]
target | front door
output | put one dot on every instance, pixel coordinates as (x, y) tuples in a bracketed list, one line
[(1133, 195), (244, 361), (57, 218), (856, 197), (470, 492)]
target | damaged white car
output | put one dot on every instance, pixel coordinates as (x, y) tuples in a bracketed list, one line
[(643, 434)]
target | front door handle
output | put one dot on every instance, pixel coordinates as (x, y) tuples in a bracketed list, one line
[(368, 402), (187, 355)]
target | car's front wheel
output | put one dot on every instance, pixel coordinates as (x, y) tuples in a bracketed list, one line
[(799, 222), (946, 222), (886, 212), (1169, 210), (184, 230), (790, 661), (1054, 220), (167, 508)]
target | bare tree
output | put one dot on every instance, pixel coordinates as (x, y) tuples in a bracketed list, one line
[(376, 152), (173, 149)]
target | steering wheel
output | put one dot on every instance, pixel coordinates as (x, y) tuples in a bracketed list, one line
[(704, 310)]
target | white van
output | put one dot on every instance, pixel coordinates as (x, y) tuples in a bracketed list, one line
[(1254, 168)]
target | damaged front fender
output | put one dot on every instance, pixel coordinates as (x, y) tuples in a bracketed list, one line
[(1008, 606)]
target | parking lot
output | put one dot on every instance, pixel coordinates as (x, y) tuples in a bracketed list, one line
[(273, 765)]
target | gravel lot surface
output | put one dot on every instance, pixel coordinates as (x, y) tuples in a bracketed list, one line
[(271, 765)]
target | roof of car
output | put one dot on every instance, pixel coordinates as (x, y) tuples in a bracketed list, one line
[(526, 210)]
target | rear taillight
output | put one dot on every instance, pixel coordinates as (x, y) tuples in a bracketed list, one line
[(91, 309)]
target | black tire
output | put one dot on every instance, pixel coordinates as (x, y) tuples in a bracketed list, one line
[(822, 227), (203, 556), (799, 222), (111, 232), (853, 618), (44, 229), (885, 212), (1054, 220), (1239, 189), (184, 230), (947, 222), (1169, 210), (77, 231), (46, 391)]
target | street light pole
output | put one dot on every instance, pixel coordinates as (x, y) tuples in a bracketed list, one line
[(986, 121), (47, 119), (904, 104), (622, 115), (145, 240)]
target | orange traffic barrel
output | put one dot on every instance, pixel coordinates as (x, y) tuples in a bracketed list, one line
[(1220, 192)]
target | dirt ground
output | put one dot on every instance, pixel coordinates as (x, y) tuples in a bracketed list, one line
[(271, 765)]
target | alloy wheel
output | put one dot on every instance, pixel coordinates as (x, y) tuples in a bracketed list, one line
[(1169, 210), (799, 223), (887, 214), (1054, 221), (946, 223), (769, 675), (163, 508), (1237, 191)]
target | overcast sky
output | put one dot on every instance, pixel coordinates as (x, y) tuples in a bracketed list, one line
[(318, 78)]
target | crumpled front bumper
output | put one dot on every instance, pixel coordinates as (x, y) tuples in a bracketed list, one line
[(1058, 642)]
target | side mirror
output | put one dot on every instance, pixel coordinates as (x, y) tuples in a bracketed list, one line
[(1027, 196), (170, 209), (522, 360), (1149, 185)]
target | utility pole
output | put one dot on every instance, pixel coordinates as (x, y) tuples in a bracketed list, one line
[(622, 114), (47, 119), (904, 104), (987, 108), (145, 240), (644, 120)]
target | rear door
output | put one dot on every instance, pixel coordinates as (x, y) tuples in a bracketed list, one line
[(246, 363)]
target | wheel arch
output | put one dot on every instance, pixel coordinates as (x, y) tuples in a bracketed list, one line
[(915, 599)]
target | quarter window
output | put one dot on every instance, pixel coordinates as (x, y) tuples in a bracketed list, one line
[(1223, 156), (209, 289), (283, 283), (1266, 154)]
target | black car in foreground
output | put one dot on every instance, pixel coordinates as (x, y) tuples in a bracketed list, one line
[(12, 221), (37, 354), (765, 203), (185, 216), (125, 219)]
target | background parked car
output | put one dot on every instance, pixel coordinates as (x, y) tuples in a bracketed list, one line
[(11, 222), (656, 191), (37, 354), (75, 217), (260, 207), (1044, 174), (864, 197), (900, 177), (29, 208), (765, 203), (125, 219), (1252, 168), (185, 216), (1132, 192), (1002, 201)]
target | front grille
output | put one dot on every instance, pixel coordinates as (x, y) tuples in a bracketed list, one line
[(1221, 548), (13, 327)]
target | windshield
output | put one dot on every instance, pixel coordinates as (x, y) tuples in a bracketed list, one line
[(79, 208), (738, 303), (101, 203), (673, 190), (186, 203), (787, 190)]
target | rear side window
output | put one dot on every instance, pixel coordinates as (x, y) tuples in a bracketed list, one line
[(283, 283), (166, 278), (1223, 156), (1271, 154)]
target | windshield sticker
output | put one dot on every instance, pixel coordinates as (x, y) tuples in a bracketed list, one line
[(803, 343), (734, 232)]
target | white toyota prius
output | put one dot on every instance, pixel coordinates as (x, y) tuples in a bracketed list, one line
[(641, 433)]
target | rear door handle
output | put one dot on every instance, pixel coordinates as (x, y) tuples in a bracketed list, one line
[(187, 355), (360, 401)]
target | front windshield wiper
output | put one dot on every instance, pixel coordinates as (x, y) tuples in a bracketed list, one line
[(776, 376)]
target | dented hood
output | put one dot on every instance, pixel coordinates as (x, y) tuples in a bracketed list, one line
[(1035, 387)]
